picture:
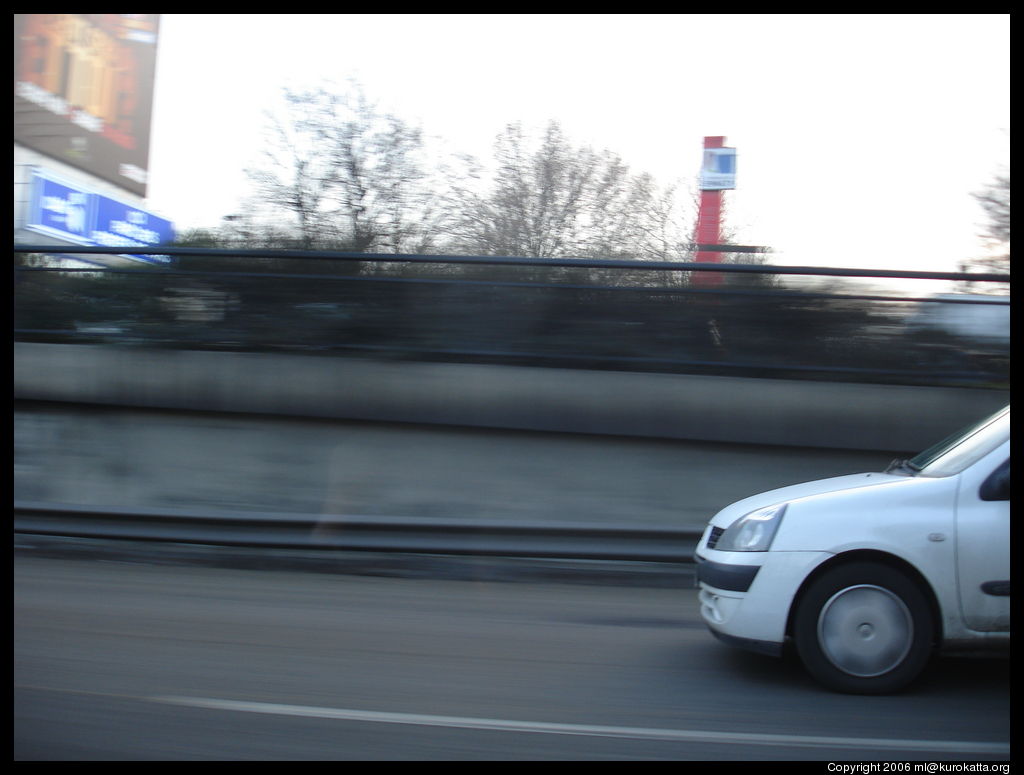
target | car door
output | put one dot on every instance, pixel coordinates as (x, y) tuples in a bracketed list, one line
[(983, 543)]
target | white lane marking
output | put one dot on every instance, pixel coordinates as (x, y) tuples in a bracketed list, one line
[(641, 733)]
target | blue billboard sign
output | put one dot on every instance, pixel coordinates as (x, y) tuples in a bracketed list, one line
[(74, 214)]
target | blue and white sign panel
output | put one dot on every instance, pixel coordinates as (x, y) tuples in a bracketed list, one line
[(719, 169), (71, 213)]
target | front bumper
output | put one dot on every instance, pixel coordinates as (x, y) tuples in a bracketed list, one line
[(745, 597), (726, 576)]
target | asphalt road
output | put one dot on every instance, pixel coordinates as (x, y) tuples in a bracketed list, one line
[(138, 661)]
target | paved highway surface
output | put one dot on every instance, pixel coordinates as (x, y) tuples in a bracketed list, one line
[(141, 661)]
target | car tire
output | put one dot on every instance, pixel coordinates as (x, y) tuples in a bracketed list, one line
[(864, 628)]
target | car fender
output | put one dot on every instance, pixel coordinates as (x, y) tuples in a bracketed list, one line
[(910, 522)]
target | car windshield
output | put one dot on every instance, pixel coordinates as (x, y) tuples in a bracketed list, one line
[(953, 454)]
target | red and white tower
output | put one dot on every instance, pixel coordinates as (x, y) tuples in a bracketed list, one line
[(718, 174)]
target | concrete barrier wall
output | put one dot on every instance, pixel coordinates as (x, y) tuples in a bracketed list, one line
[(721, 409)]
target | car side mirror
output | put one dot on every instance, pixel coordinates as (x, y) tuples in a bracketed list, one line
[(997, 486)]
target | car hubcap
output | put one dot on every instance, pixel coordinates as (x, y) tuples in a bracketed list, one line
[(865, 630)]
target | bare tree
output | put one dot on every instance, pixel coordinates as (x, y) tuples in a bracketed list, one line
[(994, 199), (347, 173), (552, 199), (295, 173)]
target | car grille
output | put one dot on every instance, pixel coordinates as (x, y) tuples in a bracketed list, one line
[(714, 535)]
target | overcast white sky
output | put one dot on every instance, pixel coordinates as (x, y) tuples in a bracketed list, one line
[(859, 137)]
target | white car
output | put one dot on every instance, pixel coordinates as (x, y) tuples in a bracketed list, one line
[(869, 575)]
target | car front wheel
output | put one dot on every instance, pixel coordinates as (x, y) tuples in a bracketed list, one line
[(864, 628)]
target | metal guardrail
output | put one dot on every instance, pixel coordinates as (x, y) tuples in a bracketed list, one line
[(577, 313), (361, 533), (586, 263)]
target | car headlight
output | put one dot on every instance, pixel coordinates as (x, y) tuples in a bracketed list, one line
[(753, 532)]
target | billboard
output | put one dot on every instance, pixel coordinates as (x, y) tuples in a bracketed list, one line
[(718, 172), (71, 213), (83, 91)]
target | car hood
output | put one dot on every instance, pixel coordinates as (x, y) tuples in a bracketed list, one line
[(831, 486)]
